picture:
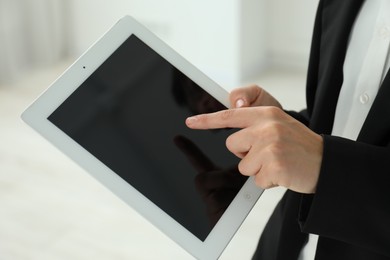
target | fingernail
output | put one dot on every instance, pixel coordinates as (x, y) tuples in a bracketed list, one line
[(239, 103)]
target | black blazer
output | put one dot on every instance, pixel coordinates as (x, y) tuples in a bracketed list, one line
[(351, 208)]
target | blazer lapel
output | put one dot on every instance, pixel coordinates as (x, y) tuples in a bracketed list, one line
[(336, 23)]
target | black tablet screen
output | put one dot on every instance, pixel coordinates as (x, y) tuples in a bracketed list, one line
[(130, 115)]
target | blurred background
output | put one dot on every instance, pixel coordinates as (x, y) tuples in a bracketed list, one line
[(49, 207)]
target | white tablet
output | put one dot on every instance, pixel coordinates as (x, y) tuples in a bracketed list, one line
[(119, 111)]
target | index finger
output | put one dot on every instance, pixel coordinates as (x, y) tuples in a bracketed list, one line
[(230, 118)]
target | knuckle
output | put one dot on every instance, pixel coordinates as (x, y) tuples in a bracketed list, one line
[(276, 149), (274, 112), (227, 114), (256, 89), (278, 129), (275, 132), (275, 153)]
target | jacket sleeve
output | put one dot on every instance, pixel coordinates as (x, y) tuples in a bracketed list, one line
[(301, 116), (352, 201)]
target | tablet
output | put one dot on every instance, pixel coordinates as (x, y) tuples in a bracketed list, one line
[(119, 112)]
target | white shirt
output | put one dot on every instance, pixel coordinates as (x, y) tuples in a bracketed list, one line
[(366, 64)]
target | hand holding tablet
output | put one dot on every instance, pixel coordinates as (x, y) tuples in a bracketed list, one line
[(185, 182)]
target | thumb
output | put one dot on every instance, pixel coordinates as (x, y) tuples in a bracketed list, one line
[(244, 96)]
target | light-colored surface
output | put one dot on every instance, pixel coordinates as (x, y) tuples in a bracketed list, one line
[(51, 209), (227, 39)]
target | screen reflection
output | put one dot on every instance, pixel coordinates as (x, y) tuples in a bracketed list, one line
[(130, 115), (217, 186)]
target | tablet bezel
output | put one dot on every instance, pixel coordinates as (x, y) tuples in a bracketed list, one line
[(36, 115)]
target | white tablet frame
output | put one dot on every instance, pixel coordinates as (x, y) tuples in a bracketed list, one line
[(36, 115)]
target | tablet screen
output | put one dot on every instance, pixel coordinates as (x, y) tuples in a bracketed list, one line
[(130, 115)]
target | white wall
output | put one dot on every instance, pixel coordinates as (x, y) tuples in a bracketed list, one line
[(230, 40), (289, 30), (199, 30), (32, 34), (252, 36)]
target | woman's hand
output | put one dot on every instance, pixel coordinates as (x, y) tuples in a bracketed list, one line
[(274, 147)]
